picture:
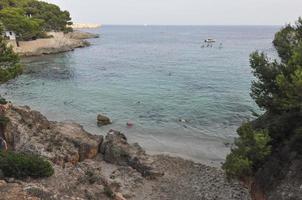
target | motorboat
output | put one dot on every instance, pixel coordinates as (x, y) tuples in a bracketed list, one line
[(210, 41)]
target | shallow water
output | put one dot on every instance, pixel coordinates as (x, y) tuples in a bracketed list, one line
[(152, 76)]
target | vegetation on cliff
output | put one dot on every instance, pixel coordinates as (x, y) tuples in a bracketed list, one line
[(9, 61), (276, 134), (30, 19), (19, 165)]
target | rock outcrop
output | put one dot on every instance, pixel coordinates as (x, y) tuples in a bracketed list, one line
[(57, 43), (29, 131), (116, 150), (102, 120), (79, 35)]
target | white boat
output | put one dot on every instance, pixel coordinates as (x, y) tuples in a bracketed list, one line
[(210, 40)]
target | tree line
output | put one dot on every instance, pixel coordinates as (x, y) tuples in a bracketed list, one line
[(31, 19)]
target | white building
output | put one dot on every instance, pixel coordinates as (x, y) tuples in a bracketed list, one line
[(10, 35)]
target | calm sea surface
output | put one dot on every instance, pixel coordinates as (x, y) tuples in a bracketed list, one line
[(152, 76)]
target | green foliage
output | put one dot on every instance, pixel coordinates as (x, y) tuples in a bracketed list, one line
[(20, 165), (252, 148), (3, 120), (237, 166), (287, 40), (278, 90), (278, 87), (1, 27), (30, 19), (2, 101), (14, 19), (9, 62), (108, 192), (53, 18)]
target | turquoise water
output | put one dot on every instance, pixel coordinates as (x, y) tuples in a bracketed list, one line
[(152, 76)]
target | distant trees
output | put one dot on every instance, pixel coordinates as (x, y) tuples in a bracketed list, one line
[(278, 91), (30, 19), (14, 19), (53, 19)]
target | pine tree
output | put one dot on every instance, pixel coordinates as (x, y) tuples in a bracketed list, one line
[(277, 89)]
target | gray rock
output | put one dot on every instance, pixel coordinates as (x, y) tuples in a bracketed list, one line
[(117, 150), (79, 35), (30, 132)]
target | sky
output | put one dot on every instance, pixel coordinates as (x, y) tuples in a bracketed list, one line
[(183, 12)]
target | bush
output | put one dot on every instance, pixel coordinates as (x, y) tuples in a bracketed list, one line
[(252, 149), (108, 192), (3, 101), (3, 120), (10, 73), (19, 165), (237, 166)]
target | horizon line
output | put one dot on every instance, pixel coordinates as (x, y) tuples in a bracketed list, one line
[(191, 24)]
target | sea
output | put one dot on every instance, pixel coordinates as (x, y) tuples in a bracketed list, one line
[(183, 96)]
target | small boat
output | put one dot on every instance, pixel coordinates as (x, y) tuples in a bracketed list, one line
[(208, 43), (210, 40)]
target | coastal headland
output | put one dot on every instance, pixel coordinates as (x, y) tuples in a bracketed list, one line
[(57, 42)]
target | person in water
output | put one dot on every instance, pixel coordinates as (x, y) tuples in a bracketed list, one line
[(3, 144)]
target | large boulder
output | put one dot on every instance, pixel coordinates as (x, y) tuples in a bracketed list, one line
[(102, 120), (117, 150), (29, 131)]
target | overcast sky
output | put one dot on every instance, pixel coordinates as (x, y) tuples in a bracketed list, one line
[(183, 12)]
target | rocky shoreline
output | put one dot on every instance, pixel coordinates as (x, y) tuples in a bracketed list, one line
[(95, 167), (85, 26), (57, 43)]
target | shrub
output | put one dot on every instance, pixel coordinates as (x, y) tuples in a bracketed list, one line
[(237, 166), (10, 73), (252, 148), (3, 101), (108, 191), (19, 165), (3, 120)]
